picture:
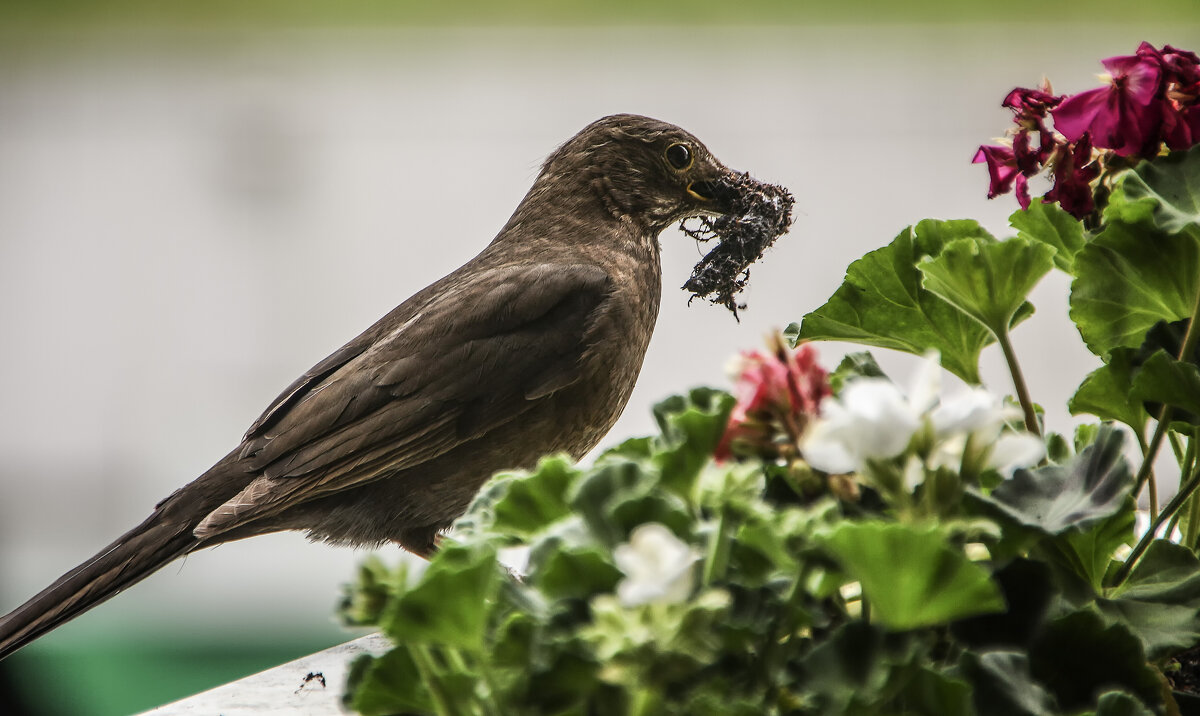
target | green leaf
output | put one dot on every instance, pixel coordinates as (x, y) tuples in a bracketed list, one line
[(1089, 552), (532, 502), (1054, 499), (1105, 392), (1129, 278), (388, 684), (881, 303), (1119, 703), (1162, 379), (847, 667), (987, 280), (691, 428), (363, 602), (1078, 656), (603, 488), (933, 693), (1165, 190), (854, 365), (660, 641), (1028, 589), (451, 602), (563, 566), (1160, 601), (1003, 686), (912, 576), (1048, 223)]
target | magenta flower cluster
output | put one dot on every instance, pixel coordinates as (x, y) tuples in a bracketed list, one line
[(1149, 102)]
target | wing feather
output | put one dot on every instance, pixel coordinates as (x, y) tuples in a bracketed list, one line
[(409, 390)]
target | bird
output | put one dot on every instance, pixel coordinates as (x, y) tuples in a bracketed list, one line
[(532, 347)]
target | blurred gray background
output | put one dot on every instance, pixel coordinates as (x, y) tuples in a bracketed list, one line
[(190, 219)]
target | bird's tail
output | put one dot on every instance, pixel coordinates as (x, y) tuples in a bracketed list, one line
[(130, 559)]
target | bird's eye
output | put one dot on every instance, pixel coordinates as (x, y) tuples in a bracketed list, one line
[(679, 156)]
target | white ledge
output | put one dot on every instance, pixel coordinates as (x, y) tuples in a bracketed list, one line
[(309, 686)]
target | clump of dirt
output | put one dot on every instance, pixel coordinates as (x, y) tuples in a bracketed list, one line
[(760, 214)]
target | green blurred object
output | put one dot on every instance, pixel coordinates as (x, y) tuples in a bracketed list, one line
[(28, 14), (110, 677)]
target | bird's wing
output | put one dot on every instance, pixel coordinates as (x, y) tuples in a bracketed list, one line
[(473, 357)]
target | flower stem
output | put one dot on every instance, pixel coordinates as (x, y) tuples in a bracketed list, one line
[(1186, 466), (718, 552), (423, 660), (1146, 471), (645, 702), (1014, 368), (1151, 480), (1164, 416), (1185, 491), (1193, 525)]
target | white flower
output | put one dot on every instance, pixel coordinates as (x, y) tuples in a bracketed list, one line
[(976, 418), (974, 411), (1015, 450), (658, 567), (871, 419)]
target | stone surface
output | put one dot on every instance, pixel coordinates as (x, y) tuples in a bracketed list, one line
[(309, 686)]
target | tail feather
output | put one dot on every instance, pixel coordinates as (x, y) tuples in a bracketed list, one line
[(131, 558)]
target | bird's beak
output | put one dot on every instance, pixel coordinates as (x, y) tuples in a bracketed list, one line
[(717, 195)]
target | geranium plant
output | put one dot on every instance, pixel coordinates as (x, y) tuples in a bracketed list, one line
[(832, 543)]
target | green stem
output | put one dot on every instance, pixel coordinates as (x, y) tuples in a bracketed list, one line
[(1193, 525), (718, 552), (1141, 439), (423, 660), (1186, 466), (1014, 368), (1175, 446), (645, 702), (489, 678), (1151, 480), (1185, 491), (1146, 472), (456, 662), (784, 626), (1186, 350)]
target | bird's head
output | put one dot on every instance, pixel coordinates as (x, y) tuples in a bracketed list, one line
[(643, 170)]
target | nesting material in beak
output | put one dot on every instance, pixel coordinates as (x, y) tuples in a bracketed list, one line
[(759, 214)]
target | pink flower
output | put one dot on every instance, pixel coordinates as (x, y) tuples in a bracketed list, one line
[(1030, 107), (1074, 171), (1181, 112), (777, 393), (1003, 172), (1126, 115), (1152, 98), (1011, 167), (1178, 66)]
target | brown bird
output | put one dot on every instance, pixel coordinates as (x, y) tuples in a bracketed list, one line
[(531, 347)]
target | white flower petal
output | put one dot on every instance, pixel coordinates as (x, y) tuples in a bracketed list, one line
[(883, 422), (657, 566), (870, 419), (914, 472), (1015, 450), (927, 384), (823, 449), (973, 411), (948, 452)]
